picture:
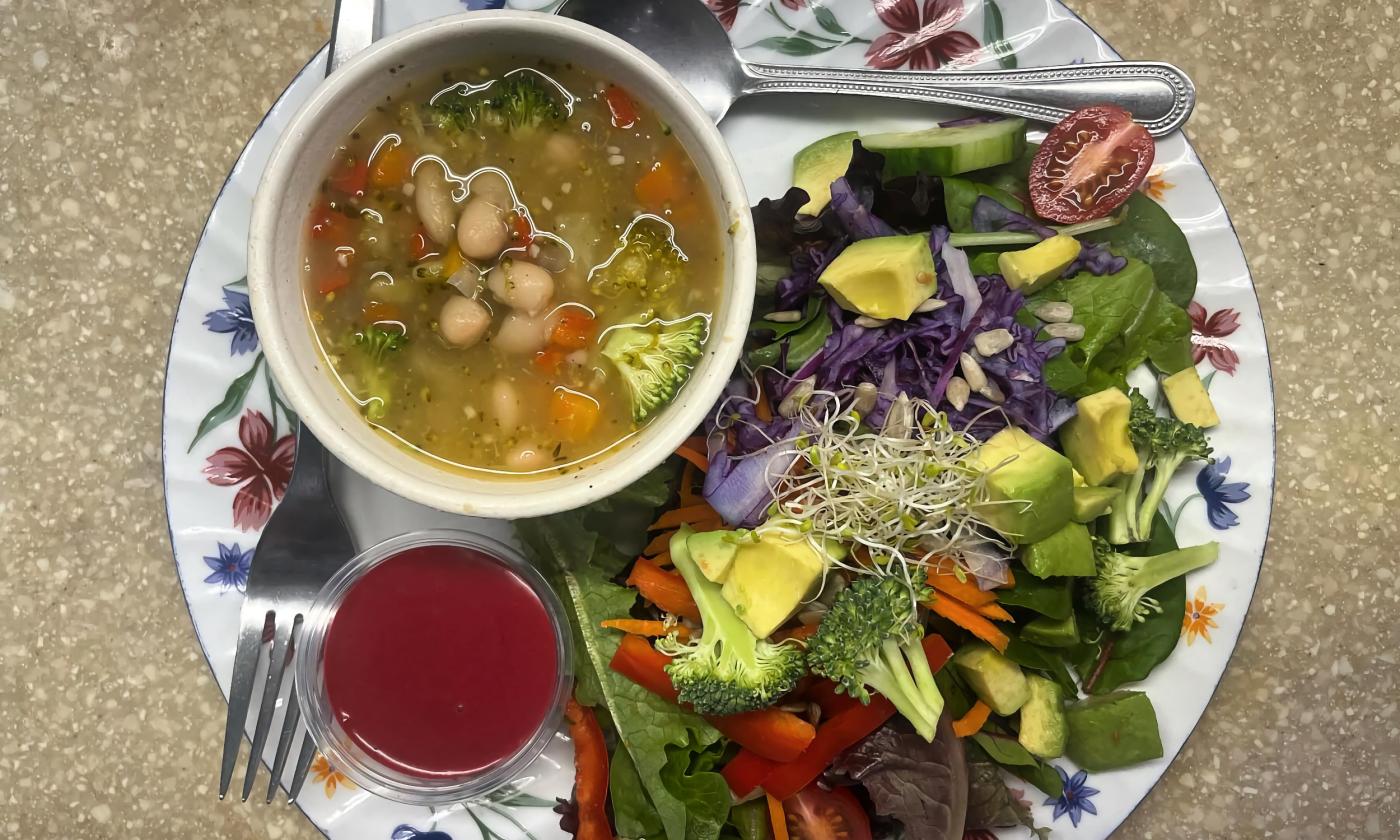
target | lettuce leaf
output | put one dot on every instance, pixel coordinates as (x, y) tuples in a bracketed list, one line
[(922, 785)]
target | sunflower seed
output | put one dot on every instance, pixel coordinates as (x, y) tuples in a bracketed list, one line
[(871, 323), (958, 393), (787, 316), (992, 391), (972, 372), (992, 342), (797, 397), (1069, 332), (899, 420), (1054, 311), (864, 400), (930, 305)]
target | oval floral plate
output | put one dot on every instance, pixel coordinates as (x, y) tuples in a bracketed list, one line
[(228, 442)]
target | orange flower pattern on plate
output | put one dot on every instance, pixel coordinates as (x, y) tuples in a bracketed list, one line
[(1200, 617), (1156, 186), (327, 776)]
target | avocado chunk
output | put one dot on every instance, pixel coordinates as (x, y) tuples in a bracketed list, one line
[(1096, 439), (1052, 632), (996, 680), (815, 167), (1029, 486), (1066, 553), (883, 277), (1039, 265), (770, 578), (714, 552), (1043, 727), (1190, 401), (1092, 502), (1112, 731)]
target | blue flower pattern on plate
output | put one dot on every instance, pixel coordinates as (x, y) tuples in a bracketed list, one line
[(235, 319), (479, 5), (1219, 495), (230, 567), (408, 832), (1075, 801)]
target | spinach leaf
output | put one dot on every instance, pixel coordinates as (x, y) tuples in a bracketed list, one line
[(633, 813), (1052, 597), (1048, 662), (959, 194), (1129, 656), (1150, 235), (1126, 320), (801, 338), (1005, 750)]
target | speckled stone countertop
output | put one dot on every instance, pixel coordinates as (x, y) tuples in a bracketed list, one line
[(120, 120)]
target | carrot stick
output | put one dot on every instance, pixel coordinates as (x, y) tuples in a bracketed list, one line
[(659, 543), (1010, 580), (666, 590), (641, 627), (972, 722), (779, 818), (801, 633), (714, 523), (698, 458), (663, 559), (682, 516), (968, 619), (761, 407), (994, 611), (696, 442), (964, 590)]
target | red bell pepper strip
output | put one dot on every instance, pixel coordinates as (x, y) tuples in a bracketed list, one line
[(591, 773), (772, 733), (746, 771)]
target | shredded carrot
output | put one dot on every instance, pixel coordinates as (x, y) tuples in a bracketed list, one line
[(659, 543), (801, 633), (972, 722), (641, 627), (964, 590), (994, 611), (696, 442), (662, 559), (666, 590), (762, 408), (688, 494), (683, 516), (779, 818), (1010, 580), (714, 523), (968, 619), (696, 457)]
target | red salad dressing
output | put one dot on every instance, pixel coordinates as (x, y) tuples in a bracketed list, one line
[(440, 662)]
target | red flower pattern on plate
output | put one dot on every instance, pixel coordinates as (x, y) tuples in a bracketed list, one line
[(1208, 332), (262, 466), (795, 5), (725, 10), (924, 40)]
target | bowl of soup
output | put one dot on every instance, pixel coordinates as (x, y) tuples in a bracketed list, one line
[(502, 264)]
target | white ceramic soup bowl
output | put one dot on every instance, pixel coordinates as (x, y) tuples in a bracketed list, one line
[(290, 187)]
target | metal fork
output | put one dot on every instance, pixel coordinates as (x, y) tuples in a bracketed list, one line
[(305, 542)]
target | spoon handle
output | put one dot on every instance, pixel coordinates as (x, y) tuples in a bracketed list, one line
[(1159, 95)]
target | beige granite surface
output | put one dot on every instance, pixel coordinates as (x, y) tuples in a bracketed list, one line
[(118, 121)]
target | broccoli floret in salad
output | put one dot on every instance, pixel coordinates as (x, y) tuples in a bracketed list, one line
[(1118, 592), (1163, 444), (376, 343), (648, 264), (655, 359), (727, 670), (871, 638)]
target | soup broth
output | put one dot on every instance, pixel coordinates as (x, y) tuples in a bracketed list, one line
[(512, 268)]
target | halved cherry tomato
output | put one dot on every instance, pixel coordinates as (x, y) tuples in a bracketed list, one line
[(621, 107), (351, 175), (1089, 164), (817, 814)]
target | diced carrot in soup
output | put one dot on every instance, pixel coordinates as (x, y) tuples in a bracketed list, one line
[(499, 339)]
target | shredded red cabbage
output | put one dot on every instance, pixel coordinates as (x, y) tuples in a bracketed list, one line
[(991, 216)]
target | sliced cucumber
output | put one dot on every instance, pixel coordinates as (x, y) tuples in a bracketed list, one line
[(949, 151)]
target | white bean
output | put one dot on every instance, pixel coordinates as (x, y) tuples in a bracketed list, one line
[(494, 188), (520, 334), (481, 231), (463, 321), (521, 285), (527, 457), (505, 405), (432, 199), (562, 150)]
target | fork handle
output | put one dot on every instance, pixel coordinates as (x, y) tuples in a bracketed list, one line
[(311, 472), (1159, 95)]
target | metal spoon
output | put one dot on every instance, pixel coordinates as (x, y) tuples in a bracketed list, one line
[(686, 39)]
